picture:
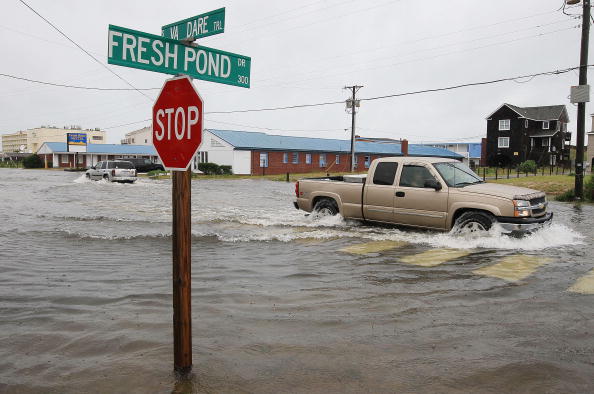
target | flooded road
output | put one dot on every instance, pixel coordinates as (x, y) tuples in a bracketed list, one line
[(281, 302)]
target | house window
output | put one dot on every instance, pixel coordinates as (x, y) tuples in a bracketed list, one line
[(503, 142), (308, 158), (337, 161), (79, 159), (295, 158), (526, 123), (367, 161), (545, 142), (203, 157), (263, 159), (545, 125), (64, 159), (504, 124), (322, 160), (285, 157)]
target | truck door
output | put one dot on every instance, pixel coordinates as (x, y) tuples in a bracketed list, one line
[(378, 197), (418, 205)]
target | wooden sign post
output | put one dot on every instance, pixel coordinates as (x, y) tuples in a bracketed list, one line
[(182, 270)]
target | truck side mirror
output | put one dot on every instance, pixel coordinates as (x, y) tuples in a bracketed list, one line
[(432, 184)]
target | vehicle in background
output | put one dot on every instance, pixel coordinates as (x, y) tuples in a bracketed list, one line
[(113, 171), (145, 165), (425, 192)]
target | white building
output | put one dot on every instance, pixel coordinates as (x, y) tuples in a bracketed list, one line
[(142, 136), (29, 141)]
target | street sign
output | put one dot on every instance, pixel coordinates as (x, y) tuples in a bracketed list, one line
[(136, 49), (177, 123), (198, 26)]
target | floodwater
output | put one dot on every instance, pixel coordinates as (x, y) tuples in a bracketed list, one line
[(282, 302)]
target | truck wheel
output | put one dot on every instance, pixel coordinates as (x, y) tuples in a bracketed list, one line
[(326, 207), (106, 177), (473, 222)]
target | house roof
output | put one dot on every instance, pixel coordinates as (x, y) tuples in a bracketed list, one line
[(247, 140), (106, 149), (549, 112)]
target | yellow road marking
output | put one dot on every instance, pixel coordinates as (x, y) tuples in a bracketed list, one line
[(584, 285), (313, 240), (434, 257), (373, 247), (513, 268)]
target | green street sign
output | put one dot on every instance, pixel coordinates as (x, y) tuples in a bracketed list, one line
[(136, 49), (198, 26)]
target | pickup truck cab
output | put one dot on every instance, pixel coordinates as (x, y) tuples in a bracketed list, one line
[(425, 192)]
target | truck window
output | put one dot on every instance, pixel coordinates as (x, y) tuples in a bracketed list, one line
[(384, 173), (415, 176)]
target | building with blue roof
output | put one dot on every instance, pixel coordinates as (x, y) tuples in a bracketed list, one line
[(258, 153), (471, 151), (60, 155)]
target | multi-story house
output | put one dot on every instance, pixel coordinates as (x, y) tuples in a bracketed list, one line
[(516, 134)]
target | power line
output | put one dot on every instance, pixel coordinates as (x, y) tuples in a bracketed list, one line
[(84, 50), (71, 86), (555, 72), (453, 87)]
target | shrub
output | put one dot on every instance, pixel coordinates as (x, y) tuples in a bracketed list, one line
[(589, 189), (32, 161), (566, 196), (156, 172), (527, 166), (209, 168), (226, 170)]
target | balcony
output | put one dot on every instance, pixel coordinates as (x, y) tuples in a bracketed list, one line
[(567, 137)]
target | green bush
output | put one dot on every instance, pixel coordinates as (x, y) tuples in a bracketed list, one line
[(528, 166), (566, 196), (226, 170), (32, 161), (156, 172), (589, 189), (209, 168)]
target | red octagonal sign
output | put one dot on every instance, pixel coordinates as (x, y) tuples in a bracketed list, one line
[(177, 123)]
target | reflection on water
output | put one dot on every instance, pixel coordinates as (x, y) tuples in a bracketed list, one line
[(279, 304)]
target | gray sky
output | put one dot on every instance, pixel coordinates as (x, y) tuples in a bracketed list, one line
[(302, 52)]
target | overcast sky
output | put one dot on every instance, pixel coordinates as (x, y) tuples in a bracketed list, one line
[(302, 52)]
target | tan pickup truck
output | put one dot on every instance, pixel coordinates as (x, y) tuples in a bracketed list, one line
[(425, 192)]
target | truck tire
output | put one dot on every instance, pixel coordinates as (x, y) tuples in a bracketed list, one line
[(473, 222), (326, 207)]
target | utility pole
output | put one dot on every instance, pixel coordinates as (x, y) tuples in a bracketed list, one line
[(352, 104), (581, 113)]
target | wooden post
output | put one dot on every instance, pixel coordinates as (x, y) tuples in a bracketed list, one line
[(484, 173), (288, 177), (508, 170), (496, 168), (542, 170), (517, 171), (182, 259)]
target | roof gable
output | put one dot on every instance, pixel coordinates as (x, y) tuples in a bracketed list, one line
[(549, 112)]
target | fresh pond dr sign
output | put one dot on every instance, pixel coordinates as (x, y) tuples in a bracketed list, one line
[(177, 123), (136, 49)]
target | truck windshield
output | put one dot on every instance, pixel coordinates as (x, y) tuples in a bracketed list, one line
[(457, 174)]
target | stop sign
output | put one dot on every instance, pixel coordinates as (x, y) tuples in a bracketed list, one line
[(177, 123)]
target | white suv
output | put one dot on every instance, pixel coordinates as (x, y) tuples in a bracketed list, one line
[(113, 171)]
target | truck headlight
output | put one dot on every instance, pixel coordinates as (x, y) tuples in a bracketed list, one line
[(521, 208)]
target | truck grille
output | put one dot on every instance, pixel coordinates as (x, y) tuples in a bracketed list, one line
[(538, 202)]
